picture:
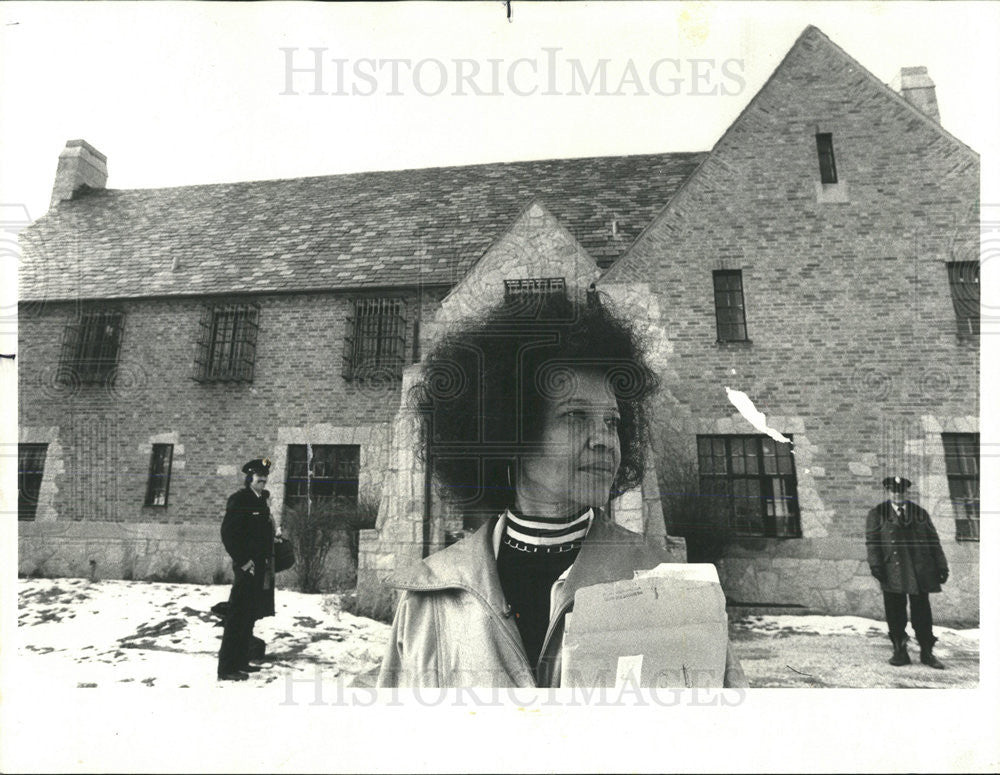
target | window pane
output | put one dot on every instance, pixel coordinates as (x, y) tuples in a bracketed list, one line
[(752, 458), (736, 456), (159, 474), (747, 505), (785, 464), (297, 479), (30, 470), (962, 465), (827, 165)]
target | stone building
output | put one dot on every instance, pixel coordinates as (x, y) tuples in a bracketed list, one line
[(821, 261)]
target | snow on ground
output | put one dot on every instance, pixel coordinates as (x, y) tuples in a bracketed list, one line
[(846, 652), (77, 633), (838, 625)]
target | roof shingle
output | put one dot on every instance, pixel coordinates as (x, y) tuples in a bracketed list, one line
[(369, 229)]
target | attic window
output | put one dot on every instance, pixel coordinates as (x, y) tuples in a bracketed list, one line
[(827, 163), (534, 286)]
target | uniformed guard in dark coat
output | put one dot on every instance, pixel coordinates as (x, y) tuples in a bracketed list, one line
[(248, 534), (904, 554)]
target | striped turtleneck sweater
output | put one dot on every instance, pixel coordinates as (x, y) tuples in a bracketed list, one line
[(534, 552)]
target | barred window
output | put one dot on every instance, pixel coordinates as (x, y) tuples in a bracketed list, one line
[(534, 286), (755, 478), (318, 473), (963, 277), (158, 484), (375, 345), (90, 347), (827, 163), (227, 343), (30, 468), (961, 457), (730, 317)]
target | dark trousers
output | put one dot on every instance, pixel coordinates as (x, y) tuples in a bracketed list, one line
[(920, 616), (235, 650)]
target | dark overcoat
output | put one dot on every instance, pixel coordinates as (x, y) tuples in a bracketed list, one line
[(248, 534), (905, 550)]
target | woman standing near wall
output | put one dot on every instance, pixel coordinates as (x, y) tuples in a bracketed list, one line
[(535, 415)]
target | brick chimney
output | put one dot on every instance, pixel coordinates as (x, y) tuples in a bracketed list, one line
[(80, 164), (917, 88)]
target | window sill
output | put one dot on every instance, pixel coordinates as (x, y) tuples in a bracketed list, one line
[(227, 380), (832, 193), (735, 343), (762, 537)]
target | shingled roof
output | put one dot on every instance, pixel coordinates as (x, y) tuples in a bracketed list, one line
[(372, 229)]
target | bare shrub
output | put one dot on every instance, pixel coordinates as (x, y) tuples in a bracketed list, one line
[(313, 526), (700, 518)]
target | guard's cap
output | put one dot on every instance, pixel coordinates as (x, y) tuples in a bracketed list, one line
[(896, 483), (260, 466)]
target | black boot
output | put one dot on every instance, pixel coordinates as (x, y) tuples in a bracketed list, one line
[(927, 656), (900, 656)]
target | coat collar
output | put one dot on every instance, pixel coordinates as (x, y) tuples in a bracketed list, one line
[(609, 553)]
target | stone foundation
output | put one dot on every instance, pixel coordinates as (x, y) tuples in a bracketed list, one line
[(832, 577), (192, 553)]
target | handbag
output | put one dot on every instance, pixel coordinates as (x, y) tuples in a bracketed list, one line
[(284, 554)]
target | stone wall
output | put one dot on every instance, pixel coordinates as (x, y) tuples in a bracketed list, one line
[(100, 437), (832, 576), (191, 553), (853, 346)]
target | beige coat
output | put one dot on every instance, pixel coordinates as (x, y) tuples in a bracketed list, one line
[(453, 627)]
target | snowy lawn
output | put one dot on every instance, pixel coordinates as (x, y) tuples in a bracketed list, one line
[(847, 652), (75, 633)]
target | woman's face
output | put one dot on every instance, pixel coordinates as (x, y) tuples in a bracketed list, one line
[(580, 450)]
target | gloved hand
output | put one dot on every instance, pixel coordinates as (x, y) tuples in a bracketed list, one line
[(879, 574), (248, 566), (943, 575)]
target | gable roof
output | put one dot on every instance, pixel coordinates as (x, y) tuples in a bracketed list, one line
[(363, 230), (810, 37)]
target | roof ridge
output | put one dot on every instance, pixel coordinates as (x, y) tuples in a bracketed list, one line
[(885, 87), (446, 168)]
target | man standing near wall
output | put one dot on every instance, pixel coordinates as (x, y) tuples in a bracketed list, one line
[(248, 534), (905, 556)]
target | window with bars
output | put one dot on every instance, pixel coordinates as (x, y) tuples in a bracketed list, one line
[(827, 163), (90, 347), (158, 484), (319, 473), (730, 316), (961, 457), (227, 343), (376, 339), (754, 476), (963, 277), (30, 469), (534, 286)]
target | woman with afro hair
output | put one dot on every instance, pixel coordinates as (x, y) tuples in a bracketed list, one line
[(534, 416)]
